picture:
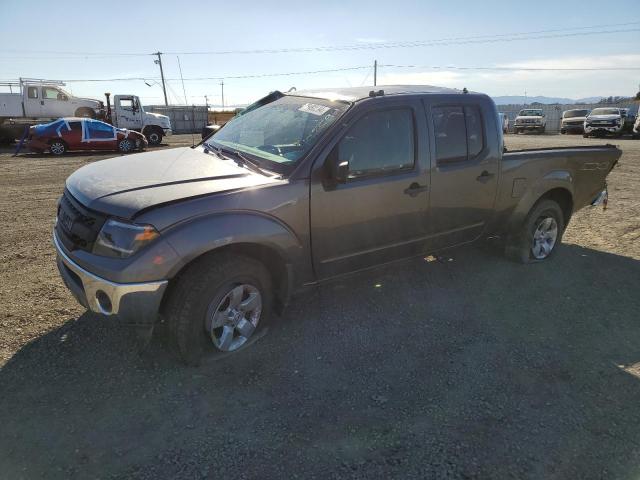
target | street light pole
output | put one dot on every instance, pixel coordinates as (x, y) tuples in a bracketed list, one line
[(222, 86), (164, 88)]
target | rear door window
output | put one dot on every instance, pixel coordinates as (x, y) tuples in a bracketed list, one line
[(450, 133), (459, 133)]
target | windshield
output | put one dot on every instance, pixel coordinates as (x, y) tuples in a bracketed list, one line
[(605, 111), (575, 113), (530, 113), (280, 132)]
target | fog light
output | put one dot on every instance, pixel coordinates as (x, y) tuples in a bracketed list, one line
[(104, 302)]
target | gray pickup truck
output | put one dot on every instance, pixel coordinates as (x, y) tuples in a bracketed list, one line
[(300, 188)]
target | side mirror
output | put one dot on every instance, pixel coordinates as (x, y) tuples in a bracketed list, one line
[(342, 171), (337, 171)]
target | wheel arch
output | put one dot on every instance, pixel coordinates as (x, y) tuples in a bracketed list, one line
[(556, 186), (254, 235), (279, 269)]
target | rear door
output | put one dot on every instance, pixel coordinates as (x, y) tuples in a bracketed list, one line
[(33, 104), (380, 213), (465, 178)]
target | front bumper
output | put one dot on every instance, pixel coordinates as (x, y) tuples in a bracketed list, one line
[(167, 132), (133, 303), (572, 128), (528, 126), (602, 129)]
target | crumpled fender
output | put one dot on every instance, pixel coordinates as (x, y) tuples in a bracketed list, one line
[(552, 180), (206, 233)]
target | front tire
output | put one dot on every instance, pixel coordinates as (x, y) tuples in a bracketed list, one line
[(126, 146), (217, 306), (154, 136), (58, 147), (539, 236), (85, 113)]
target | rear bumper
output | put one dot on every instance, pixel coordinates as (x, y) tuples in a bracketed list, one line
[(133, 303)]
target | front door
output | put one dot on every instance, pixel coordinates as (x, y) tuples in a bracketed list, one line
[(128, 112), (55, 103), (465, 178), (379, 213)]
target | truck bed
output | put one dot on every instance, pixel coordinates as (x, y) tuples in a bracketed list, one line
[(527, 174), (10, 105)]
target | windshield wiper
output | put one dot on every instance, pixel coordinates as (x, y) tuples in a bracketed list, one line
[(241, 160), (217, 151)]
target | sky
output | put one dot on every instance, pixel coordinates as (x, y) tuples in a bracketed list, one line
[(69, 40)]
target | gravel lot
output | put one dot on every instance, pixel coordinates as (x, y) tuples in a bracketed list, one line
[(465, 367)]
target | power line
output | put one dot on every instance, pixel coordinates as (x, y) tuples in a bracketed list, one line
[(411, 44), (362, 67), (516, 69), (491, 38)]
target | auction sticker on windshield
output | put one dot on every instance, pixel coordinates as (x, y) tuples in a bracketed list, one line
[(314, 109)]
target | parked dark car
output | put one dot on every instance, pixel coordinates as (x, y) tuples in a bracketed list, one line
[(307, 187), (76, 134)]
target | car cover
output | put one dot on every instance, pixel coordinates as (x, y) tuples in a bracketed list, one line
[(54, 128), (96, 131)]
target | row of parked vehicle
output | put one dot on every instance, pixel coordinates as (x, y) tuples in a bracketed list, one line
[(598, 122)]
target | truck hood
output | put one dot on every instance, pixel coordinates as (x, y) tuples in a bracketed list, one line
[(535, 117), (87, 100), (158, 118), (123, 186), (603, 117)]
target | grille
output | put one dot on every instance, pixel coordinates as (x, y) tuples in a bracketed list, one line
[(77, 226)]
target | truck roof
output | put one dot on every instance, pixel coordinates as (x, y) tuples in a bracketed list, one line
[(353, 94)]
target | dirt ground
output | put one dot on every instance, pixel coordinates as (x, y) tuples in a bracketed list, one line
[(466, 367)]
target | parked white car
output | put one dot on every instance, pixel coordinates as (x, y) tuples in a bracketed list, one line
[(636, 127), (604, 121), (530, 119)]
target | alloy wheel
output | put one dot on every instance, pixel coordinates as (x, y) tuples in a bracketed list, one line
[(545, 237), (233, 320)]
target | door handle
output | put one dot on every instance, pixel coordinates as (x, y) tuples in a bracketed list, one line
[(41, 102), (484, 177), (414, 189)]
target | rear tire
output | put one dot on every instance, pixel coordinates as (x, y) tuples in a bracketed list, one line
[(200, 308), (535, 240), (57, 147)]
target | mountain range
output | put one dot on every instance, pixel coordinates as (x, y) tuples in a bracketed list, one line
[(521, 99)]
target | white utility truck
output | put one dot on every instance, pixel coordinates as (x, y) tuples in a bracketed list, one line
[(37, 101), (44, 99)]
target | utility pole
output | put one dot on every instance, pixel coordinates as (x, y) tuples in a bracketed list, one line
[(222, 86), (375, 72), (164, 88)]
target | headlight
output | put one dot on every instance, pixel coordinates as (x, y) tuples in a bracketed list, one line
[(120, 240)]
